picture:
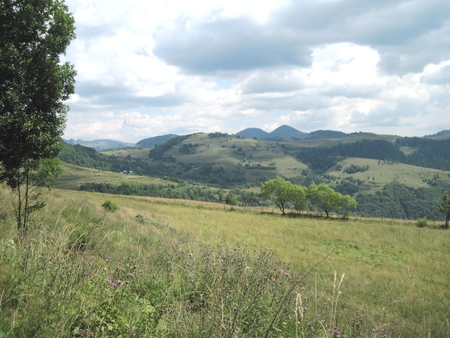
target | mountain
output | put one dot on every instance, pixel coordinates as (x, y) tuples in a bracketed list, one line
[(439, 134), (285, 132), (253, 132), (101, 144), (152, 141), (281, 133), (320, 134)]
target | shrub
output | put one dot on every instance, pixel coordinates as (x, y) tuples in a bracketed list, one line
[(110, 206), (422, 222)]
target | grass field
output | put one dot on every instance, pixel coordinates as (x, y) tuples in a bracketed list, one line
[(397, 281), (73, 176), (381, 173)]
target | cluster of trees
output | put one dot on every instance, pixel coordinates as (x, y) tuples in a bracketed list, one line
[(396, 200), (284, 192)]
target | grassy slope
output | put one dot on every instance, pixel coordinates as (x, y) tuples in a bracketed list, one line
[(381, 173), (73, 176), (396, 272)]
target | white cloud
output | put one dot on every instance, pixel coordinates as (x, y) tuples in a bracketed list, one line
[(151, 68)]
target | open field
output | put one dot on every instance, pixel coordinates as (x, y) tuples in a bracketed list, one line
[(397, 280), (73, 176), (381, 173)]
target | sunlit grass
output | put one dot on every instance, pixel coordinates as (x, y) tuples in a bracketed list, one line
[(395, 272)]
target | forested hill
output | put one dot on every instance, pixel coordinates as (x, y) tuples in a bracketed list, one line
[(414, 151)]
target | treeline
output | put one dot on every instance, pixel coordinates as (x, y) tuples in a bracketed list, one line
[(397, 200), (176, 191), (428, 153)]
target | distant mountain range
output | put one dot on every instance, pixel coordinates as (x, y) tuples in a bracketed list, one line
[(282, 133), (288, 133)]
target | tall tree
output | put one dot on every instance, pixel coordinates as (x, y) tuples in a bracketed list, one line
[(444, 207), (34, 34)]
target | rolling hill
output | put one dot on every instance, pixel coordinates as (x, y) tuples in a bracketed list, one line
[(375, 169)]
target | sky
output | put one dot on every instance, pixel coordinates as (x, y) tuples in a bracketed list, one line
[(148, 68)]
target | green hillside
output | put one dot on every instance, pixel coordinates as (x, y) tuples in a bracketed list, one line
[(408, 174)]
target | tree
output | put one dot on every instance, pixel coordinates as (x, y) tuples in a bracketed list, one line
[(33, 85), (444, 207), (32, 175), (328, 199), (299, 198), (230, 200), (281, 190)]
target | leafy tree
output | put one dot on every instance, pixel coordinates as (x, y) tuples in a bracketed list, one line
[(230, 200), (31, 176), (33, 85), (299, 197), (444, 207), (328, 199), (281, 190)]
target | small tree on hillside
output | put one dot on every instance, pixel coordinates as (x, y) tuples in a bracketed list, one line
[(25, 184), (281, 190), (444, 207), (328, 199)]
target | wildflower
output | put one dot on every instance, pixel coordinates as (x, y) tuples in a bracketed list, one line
[(298, 323), (131, 275), (284, 323), (110, 282), (190, 255), (286, 274), (281, 271), (119, 282)]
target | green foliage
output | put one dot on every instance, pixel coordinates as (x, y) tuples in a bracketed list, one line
[(399, 201), (299, 198), (444, 207), (328, 199), (110, 206), (356, 168), (280, 190), (230, 200), (422, 222), (33, 85)]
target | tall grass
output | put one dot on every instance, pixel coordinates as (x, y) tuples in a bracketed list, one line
[(85, 272)]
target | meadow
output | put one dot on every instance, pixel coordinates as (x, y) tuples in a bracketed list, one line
[(172, 268)]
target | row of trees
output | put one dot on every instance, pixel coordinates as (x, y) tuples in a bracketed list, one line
[(284, 192)]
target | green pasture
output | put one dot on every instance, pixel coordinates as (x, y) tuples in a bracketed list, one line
[(381, 173), (396, 274), (73, 176)]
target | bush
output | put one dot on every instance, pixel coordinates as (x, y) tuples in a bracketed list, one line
[(110, 206), (422, 222)]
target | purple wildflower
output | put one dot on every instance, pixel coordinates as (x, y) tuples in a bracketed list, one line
[(281, 271), (131, 275), (110, 282)]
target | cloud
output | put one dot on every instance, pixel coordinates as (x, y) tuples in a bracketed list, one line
[(148, 68), (440, 76), (396, 29), (228, 45)]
